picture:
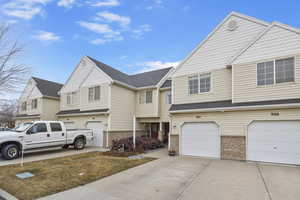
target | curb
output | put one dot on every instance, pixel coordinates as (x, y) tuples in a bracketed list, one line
[(6, 196)]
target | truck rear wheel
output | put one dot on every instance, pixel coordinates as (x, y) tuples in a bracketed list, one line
[(10, 151), (79, 143)]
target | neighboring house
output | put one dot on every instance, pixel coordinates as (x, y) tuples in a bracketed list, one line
[(237, 95), (38, 101), (115, 104)]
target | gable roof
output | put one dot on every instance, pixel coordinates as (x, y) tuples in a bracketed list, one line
[(47, 88), (145, 79), (252, 19), (167, 84), (273, 24)]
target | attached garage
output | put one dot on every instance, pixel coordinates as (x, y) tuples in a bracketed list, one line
[(200, 139), (97, 128), (70, 125), (274, 141)]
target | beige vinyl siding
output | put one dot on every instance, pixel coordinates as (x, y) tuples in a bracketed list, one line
[(274, 43), (65, 106), (122, 108), (233, 123), (146, 110), (164, 108), (101, 104), (245, 87), (50, 107), (221, 47), (220, 88), (81, 121)]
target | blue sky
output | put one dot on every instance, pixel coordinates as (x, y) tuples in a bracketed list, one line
[(130, 35)]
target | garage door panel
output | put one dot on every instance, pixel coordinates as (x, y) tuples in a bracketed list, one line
[(97, 128), (200, 139), (274, 141)]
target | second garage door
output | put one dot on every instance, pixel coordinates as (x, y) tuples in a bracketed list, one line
[(274, 141), (97, 128), (200, 139)]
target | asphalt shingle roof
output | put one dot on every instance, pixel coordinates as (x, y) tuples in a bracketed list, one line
[(228, 103), (137, 80), (48, 88), (78, 111), (167, 84)]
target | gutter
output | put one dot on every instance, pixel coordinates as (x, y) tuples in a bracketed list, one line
[(223, 109), (82, 114)]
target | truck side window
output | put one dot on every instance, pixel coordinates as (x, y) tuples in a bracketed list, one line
[(55, 127), (38, 128)]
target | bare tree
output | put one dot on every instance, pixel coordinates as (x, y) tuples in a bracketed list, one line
[(8, 110), (12, 73)]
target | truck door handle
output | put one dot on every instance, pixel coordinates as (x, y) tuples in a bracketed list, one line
[(48, 135), (63, 134)]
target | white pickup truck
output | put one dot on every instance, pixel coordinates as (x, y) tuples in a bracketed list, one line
[(41, 134)]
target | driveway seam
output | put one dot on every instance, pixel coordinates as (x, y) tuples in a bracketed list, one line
[(189, 183), (264, 181)]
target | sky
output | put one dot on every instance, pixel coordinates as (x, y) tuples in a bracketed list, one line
[(130, 35)]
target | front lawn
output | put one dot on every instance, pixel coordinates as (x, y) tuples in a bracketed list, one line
[(59, 174)]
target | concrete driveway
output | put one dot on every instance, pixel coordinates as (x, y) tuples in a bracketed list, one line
[(187, 178)]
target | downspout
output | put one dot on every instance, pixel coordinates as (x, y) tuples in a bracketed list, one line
[(134, 131)]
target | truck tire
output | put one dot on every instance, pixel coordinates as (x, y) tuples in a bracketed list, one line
[(65, 146), (10, 151), (79, 143)]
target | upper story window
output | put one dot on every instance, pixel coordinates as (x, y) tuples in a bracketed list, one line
[(71, 98), (277, 71), (145, 97), (199, 83), (34, 103), (168, 98), (94, 93), (24, 106)]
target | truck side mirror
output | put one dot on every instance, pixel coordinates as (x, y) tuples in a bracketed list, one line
[(29, 131)]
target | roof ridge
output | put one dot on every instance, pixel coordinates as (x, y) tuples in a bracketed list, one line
[(151, 71)]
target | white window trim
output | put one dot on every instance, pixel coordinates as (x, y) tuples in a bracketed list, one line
[(198, 75), (274, 68), (144, 94), (94, 92), (167, 94)]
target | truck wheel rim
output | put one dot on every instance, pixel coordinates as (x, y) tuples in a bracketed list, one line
[(12, 152), (79, 144)]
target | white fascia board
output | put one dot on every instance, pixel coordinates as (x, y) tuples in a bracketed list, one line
[(262, 107), (83, 114)]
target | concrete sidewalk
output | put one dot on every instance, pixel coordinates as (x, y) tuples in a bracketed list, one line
[(187, 178)]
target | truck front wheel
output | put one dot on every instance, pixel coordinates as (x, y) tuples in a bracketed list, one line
[(79, 143), (10, 151)]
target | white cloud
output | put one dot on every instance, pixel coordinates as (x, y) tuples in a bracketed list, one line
[(46, 36), (24, 9), (154, 65), (96, 27), (66, 3), (139, 32), (112, 17), (106, 3), (106, 39)]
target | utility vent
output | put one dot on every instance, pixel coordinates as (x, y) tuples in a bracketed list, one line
[(232, 25)]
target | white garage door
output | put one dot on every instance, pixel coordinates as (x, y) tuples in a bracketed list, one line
[(200, 139), (70, 125), (97, 128), (274, 141)]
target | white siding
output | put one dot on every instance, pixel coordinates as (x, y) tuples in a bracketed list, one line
[(217, 51), (245, 88), (220, 88), (164, 107), (147, 110), (122, 108), (275, 43)]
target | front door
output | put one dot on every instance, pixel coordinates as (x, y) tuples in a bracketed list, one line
[(36, 136)]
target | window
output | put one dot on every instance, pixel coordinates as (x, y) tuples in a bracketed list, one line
[(34, 103), (282, 71), (145, 97), (148, 96), (204, 83), (55, 127), (265, 73), (38, 128), (24, 106), (71, 98), (94, 93), (168, 98), (193, 84), (199, 83)]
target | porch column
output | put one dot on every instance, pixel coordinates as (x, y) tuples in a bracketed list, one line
[(134, 130), (160, 132)]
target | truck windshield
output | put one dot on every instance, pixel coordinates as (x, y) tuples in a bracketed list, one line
[(22, 127)]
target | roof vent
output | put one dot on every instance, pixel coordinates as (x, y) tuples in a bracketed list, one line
[(232, 25)]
